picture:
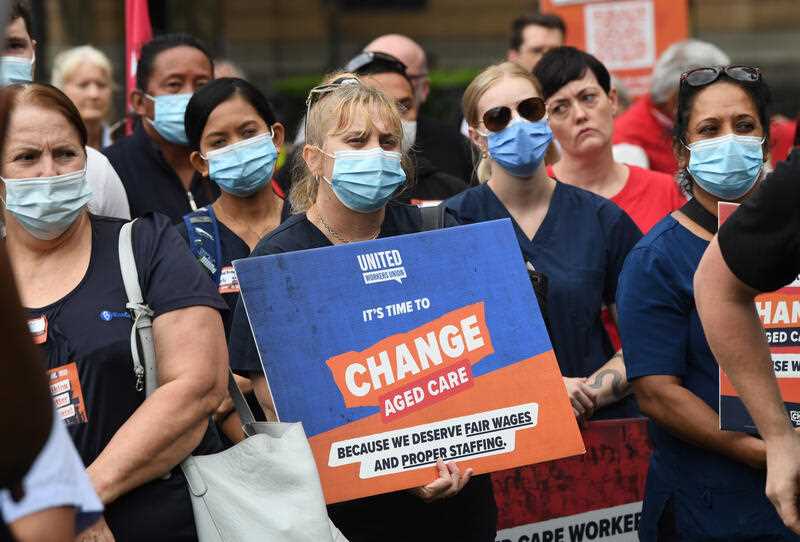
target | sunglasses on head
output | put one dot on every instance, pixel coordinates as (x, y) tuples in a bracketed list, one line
[(699, 77), (369, 62), (497, 118), (319, 91)]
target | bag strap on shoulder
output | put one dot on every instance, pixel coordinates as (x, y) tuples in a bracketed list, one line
[(433, 217), (142, 329), (203, 231), (147, 373)]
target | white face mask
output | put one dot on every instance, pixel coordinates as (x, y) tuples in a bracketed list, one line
[(409, 134), (47, 206), (14, 69)]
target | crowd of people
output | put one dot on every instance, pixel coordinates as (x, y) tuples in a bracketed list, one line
[(615, 209)]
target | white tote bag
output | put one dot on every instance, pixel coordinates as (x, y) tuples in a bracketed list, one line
[(264, 488)]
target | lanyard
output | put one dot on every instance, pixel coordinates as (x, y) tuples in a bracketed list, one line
[(700, 215)]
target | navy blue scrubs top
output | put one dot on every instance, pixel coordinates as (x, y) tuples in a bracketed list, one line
[(713, 497), (88, 340), (580, 246), (470, 516), (232, 247)]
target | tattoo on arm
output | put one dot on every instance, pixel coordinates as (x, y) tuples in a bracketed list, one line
[(618, 389)]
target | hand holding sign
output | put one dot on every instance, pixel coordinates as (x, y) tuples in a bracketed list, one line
[(448, 484)]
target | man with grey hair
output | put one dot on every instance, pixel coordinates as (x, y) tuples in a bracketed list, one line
[(646, 128)]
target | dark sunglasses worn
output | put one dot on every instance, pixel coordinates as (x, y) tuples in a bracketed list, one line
[(497, 118), (699, 77)]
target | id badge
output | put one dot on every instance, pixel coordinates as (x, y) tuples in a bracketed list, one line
[(38, 329), (228, 282)]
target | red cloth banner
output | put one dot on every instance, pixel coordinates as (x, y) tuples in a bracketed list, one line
[(138, 31), (597, 495)]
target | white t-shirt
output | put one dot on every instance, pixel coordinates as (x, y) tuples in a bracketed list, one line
[(108, 193)]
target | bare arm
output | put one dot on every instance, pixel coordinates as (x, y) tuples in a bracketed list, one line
[(664, 400), (737, 339), (164, 430), (55, 524), (261, 389), (610, 382)]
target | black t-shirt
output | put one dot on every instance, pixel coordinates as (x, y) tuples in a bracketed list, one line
[(88, 354), (400, 516), (446, 148), (761, 240), (150, 182), (429, 182)]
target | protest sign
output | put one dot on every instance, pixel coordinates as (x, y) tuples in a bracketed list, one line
[(403, 350), (596, 496), (623, 34), (779, 312)]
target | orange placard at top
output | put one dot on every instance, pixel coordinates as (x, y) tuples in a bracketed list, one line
[(626, 35)]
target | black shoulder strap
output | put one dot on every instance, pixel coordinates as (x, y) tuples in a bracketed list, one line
[(700, 215), (433, 217)]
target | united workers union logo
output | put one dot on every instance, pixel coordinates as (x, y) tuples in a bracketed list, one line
[(107, 316), (382, 266)]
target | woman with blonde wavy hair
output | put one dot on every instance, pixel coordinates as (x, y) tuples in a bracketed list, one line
[(577, 239), (352, 166), (85, 75)]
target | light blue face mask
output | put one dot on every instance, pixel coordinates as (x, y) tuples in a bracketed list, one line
[(47, 206), (519, 148), (243, 168), (170, 110), (14, 69), (726, 167), (364, 181)]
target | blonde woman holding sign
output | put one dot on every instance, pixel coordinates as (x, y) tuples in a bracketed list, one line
[(352, 166)]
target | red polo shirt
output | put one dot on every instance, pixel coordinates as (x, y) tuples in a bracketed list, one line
[(781, 135), (640, 126), (648, 196)]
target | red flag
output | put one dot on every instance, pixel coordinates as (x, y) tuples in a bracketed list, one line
[(138, 31)]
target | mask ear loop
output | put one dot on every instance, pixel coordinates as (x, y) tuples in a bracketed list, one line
[(323, 153)]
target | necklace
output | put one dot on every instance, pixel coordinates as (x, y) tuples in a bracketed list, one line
[(245, 225), (338, 236)]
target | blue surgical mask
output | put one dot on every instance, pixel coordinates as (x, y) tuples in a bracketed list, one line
[(726, 167), (364, 181), (14, 69), (47, 206), (243, 168), (519, 148), (170, 110)]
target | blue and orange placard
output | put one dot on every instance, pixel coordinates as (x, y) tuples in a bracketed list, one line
[(400, 351), (779, 313)]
